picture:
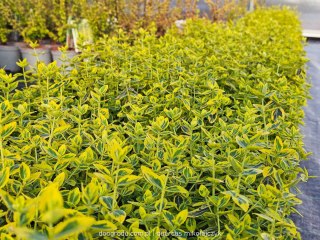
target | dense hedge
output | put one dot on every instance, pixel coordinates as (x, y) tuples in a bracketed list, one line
[(196, 131)]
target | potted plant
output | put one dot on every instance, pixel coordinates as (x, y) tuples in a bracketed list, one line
[(15, 14), (35, 31), (9, 53), (101, 15), (29, 18)]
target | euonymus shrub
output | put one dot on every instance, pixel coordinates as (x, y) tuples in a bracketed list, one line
[(193, 132)]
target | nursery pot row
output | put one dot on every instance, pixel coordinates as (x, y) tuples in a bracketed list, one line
[(11, 54)]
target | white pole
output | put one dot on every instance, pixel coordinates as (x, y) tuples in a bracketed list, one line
[(251, 5)]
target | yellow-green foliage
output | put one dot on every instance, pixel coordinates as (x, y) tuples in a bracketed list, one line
[(29, 18), (3, 24), (36, 20), (196, 131)]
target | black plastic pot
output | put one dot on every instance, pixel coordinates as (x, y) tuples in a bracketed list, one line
[(35, 55), (9, 55)]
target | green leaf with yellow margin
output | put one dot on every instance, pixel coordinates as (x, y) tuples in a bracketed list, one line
[(104, 225), (24, 172), (127, 180), (181, 217), (7, 129), (241, 200), (153, 178), (4, 177), (72, 227)]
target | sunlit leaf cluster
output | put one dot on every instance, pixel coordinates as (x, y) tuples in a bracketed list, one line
[(196, 131)]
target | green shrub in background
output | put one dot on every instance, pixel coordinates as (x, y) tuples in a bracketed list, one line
[(28, 18), (4, 30), (191, 132), (48, 19)]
